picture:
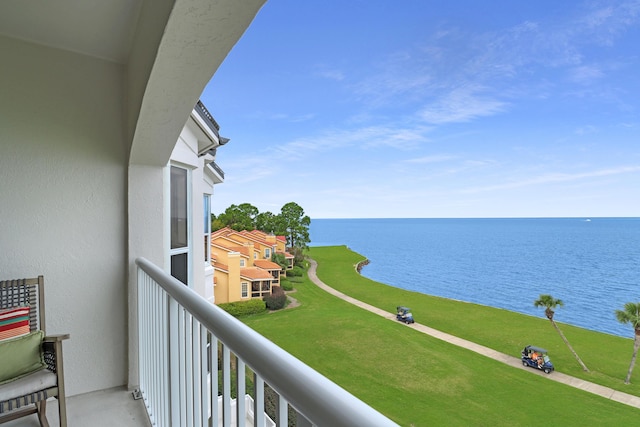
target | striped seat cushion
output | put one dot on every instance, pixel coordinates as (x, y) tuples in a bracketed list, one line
[(14, 322)]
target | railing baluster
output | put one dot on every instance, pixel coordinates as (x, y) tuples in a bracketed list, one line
[(282, 418), (159, 332), (241, 405), (204, 391), (226, 386), (258, 401), (174, 361), (195, 368), (164, 399), (188, 367), (213, 379)]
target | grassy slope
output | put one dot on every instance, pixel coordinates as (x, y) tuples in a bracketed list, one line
[(417, 380)]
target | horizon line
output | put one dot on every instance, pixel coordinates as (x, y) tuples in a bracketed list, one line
[(490, 217)]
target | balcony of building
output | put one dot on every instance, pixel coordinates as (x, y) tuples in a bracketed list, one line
[(195, 359)]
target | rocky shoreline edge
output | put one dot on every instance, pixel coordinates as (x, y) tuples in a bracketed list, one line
[(361, 264)]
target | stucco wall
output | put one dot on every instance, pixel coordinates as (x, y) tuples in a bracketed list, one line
[(63, 191)]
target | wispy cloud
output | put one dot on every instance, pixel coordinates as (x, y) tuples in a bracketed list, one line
[(467, 76), (585, 74), (278, 116), (605, 21), (437, 158), (334, 74), (586, 130), (367, 137), (462, 105), (551, 178), (247, 169)]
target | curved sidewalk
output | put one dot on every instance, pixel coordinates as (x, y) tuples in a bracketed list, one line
[(581, 384)]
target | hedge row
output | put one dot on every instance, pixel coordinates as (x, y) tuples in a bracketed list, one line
[(244, 308)]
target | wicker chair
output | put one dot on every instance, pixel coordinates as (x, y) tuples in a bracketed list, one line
[(28, 393)]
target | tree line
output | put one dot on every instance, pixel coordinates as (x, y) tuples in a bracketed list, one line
[(291, 222)]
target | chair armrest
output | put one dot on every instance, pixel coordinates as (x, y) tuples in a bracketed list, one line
[(52, 352), (56, 338)]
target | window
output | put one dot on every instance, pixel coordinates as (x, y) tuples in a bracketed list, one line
[(241, 262), (267, 253), (260, 289), (179, 222), (207, 228), (245, 289)]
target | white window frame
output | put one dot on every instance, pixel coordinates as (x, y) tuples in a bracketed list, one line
[(242, 263), (206, 200), (267, 253), (188, 250), (244, 290)]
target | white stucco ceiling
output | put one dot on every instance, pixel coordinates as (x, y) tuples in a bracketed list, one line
[(170, 49), (105, 29)]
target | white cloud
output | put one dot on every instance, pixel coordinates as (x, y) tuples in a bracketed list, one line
[(367, 137), (585, 74), (437, 158), (553, 178), (461, 105), (605, 23), (331, 74), (585, 130)]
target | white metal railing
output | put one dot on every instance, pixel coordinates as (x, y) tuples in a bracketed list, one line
[(181, 335)]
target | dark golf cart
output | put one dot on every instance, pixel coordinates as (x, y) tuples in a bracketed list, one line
[(403, 314), (536, 357)]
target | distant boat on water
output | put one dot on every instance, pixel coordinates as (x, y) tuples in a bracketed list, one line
[(587, 220)]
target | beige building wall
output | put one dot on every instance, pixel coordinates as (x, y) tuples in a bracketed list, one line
[(221, 287), (234, 276)]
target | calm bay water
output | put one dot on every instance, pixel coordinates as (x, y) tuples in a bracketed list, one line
[(593, 266)]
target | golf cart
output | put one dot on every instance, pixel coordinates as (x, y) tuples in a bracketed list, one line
[(403, 314), (536, 357)]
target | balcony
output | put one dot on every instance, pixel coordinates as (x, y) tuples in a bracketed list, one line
[(184, 338), (181, 337), (105, 408)]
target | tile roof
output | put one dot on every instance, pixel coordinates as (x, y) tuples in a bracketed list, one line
[(221, 266), (255, 273), (286, 254), (266, 264)]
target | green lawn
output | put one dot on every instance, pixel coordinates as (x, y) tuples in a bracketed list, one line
[(418, 380)]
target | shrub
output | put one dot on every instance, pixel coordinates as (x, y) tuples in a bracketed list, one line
[(286, 284), (243, 308), (295, 271), (277, 299)]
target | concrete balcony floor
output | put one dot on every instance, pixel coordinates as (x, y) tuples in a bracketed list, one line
[(104, 408)]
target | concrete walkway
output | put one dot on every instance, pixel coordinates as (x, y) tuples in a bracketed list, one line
[(516, 362)]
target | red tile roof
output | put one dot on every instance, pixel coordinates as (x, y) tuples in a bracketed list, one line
[(255, 273), (287, 255), (266, 264), (221, 266)]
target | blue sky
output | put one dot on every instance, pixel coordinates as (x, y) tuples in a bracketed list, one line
[(372, 109)]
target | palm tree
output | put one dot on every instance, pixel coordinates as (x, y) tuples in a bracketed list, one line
[(550, 303), (631, 314)]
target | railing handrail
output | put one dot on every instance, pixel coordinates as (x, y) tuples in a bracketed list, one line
[(320, 400)]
